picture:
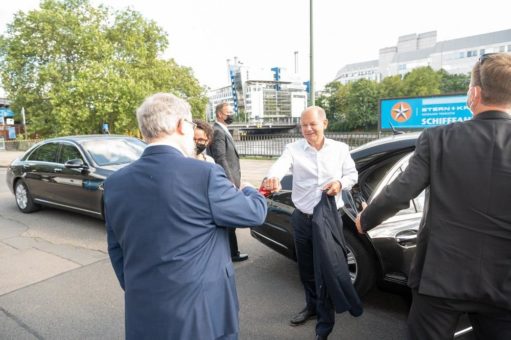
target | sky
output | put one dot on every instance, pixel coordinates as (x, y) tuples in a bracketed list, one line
[(203, 34)]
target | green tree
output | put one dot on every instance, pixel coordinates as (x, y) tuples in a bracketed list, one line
[(334, 101), (74, 66), (453, 83), (422, 81), (363, 101), (392, 87)]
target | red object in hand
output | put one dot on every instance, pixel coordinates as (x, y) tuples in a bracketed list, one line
[(265, 192)]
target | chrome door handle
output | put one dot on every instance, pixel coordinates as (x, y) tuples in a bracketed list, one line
[(406, 238)]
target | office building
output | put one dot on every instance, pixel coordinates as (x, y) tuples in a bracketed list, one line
[(417, 50), (260, 94)]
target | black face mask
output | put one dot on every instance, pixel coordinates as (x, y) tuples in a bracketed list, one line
[(199, 148), (228, 120)]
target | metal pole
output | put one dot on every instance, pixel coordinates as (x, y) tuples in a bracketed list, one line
[(311, 85), (296, 62), (24, 121)]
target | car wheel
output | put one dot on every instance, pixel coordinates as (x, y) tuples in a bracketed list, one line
[(360, 264), (23, 198)]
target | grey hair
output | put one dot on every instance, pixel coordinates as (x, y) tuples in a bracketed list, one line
[(161, 112), (321, 112)]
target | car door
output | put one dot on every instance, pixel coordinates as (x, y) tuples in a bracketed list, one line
[(277, 232), (76, 188), (394, 239), (39, 171)]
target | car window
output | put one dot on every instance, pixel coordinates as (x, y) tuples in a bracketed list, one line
[(417, 204), (411, 207), (114, 151), (45, 153), (69, 152), (370, 178)]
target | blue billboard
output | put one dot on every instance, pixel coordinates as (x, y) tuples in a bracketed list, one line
[(423, 112)]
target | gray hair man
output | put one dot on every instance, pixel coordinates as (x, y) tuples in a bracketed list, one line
[(163, 214)]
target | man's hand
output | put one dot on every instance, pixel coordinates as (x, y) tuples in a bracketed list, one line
[(358, 222), (333, 188), (272, 184)]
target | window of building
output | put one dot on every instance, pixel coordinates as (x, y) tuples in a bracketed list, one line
[(509, 48), (502, 49), (461, 55), (401, 67), (481, 51)]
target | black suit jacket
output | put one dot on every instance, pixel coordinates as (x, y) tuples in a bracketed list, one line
[(464, 241), (224, 152), (330, 261)]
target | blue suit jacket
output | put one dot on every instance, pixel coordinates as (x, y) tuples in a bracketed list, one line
[(163, 214)]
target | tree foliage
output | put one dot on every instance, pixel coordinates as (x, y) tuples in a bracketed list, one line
[(422, 81), (354, 106), (453, 83), (74, 66)]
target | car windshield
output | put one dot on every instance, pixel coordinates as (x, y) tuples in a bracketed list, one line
[(114, 151)]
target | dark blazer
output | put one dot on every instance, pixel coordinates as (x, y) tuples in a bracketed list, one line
[(173, 262), (464, 241), (224, 152), (330, 262)]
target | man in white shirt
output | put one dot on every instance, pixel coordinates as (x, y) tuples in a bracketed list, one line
[(318, 164)]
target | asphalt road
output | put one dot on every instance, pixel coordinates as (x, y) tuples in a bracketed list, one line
[(56, 282)]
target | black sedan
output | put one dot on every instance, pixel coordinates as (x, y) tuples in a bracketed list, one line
[(68, 172), (385, 252)]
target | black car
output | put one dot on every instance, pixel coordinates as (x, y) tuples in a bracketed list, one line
[(68, 172), (385, 252)]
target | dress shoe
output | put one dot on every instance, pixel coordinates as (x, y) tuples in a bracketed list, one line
[(321, 337), (239, 258), (302, 317)]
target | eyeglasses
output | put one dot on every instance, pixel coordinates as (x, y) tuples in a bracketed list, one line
[(483, 57), (201, 140), (194, 126)]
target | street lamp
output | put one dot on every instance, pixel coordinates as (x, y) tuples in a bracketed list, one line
[(311, 86)]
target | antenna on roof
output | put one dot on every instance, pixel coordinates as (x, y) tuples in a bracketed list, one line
[(394, 131)]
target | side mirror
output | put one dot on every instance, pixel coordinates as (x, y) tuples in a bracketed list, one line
[(76, 164)]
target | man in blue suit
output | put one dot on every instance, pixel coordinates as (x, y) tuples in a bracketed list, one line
[(167, 217)]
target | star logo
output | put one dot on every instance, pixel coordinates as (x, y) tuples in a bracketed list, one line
[(401, 112)]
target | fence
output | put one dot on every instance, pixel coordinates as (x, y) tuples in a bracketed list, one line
[(19, 144), (273, 145), (252, 145)]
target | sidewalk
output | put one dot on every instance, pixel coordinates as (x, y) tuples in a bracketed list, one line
[(6, 157)]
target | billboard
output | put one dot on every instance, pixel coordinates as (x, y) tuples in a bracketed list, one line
[(422, 112)]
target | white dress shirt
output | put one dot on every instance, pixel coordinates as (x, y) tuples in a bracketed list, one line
[(312, 169)]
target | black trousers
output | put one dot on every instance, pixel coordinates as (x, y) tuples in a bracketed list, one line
[(433, 318), (233, 242), (302, 225)]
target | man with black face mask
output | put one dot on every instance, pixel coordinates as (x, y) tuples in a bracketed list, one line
[(224, 152), (203, 134)]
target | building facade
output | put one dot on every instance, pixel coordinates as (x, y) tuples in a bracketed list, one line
[(258, 94), (417, 50)]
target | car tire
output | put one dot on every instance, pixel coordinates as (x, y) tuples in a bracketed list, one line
[(23, 198), (360, 263)]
